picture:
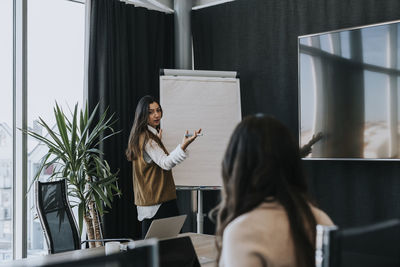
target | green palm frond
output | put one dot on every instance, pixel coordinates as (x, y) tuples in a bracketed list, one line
[(73, 149)]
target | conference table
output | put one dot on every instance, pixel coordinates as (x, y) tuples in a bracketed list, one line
[(205, 248), (204, 245)]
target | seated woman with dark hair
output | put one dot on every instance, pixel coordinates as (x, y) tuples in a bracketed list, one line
[(265, 217)]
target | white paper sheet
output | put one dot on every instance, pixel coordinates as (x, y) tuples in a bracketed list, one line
[(190, 103)]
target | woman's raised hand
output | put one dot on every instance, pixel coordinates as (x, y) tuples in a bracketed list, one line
[(188, 139)]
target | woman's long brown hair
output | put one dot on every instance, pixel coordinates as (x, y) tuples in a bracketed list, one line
[(134, 150), (262, 161)]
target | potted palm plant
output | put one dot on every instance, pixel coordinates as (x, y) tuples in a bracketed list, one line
[(74, 154)]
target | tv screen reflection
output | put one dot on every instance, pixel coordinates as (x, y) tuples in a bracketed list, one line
[(348, 90)]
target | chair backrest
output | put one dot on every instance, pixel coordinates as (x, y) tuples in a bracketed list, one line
[(56, 216), (143, 254), (371, 245)]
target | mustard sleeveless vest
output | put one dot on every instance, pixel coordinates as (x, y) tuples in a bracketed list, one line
[(151, 184)]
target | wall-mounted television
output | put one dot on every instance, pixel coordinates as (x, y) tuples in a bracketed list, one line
[(349, 100)]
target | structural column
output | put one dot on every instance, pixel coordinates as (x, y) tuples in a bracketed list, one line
[(183, 35), (20, 122), (392, 88)]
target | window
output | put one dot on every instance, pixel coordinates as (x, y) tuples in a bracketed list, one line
[(55, 73)]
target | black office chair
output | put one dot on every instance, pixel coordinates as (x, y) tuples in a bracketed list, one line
[(143, 254), (372, 245), (55, 214)]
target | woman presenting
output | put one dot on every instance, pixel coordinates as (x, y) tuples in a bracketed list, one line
[(153, 183)]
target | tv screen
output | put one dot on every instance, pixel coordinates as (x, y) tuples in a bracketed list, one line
[(348, 93)]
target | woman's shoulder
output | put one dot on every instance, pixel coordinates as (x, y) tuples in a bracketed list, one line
[(250, 235), (142, 136), (147, 138), (321, 217), (262, 216), (267, 215)]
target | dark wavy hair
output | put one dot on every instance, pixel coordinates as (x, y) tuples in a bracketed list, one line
[(262, 163), (139, 127)]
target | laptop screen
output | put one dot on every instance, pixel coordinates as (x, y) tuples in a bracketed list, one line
[(166, 227)]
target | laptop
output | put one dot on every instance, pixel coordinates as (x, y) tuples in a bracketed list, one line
[(165, 227)]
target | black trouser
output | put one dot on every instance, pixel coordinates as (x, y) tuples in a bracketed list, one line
[(167, 209)]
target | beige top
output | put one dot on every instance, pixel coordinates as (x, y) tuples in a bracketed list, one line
[(263, 231)]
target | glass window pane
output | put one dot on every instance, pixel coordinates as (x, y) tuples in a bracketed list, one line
[(55, 73), (374, 40), (376, 133), (6, 135)]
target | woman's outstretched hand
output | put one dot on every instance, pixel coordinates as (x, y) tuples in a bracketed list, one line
[(187, 140)]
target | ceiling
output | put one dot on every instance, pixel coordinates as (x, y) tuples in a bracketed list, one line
[(168, 5)]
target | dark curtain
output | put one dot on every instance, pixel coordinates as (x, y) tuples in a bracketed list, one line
[(258, 38), (128, 46)]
